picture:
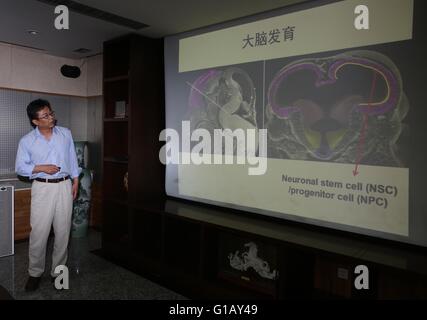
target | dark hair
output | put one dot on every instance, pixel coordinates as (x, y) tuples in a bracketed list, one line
[(34, 107)]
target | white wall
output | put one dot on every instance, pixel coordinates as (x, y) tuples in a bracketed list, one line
[(94, 76), (27, 69), (5, 65), (77, 102), (78, 118)]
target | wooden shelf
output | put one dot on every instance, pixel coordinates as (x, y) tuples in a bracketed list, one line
[(114, 175), (116, 142), (116, 56), (116, 160), (115, 91), (118, 201), (118, 78), (130, 151), (126, 119)]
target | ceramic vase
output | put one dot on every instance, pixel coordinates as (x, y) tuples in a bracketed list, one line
[(81, 205)]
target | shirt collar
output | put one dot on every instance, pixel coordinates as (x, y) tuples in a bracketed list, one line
[(38, 134)]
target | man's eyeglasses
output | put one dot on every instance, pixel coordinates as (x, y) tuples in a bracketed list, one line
[(47, 115)]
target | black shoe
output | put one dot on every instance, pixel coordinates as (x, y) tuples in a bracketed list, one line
[(32, 284)]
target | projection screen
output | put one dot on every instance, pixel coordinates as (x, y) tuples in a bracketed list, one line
[(311, 113)]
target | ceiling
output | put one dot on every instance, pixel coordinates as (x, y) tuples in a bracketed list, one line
[(163, 17)]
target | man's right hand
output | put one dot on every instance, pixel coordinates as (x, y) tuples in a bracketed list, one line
[(46, 168)]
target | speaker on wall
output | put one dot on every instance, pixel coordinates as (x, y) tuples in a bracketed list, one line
[(70, 71)]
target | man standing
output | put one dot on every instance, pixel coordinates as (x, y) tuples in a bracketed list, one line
[(47, 156)]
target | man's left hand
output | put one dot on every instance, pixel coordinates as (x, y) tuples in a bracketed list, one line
[(75, 187)]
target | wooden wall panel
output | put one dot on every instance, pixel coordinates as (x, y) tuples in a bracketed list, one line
[(23, 209), (22, 214), (327, 279)]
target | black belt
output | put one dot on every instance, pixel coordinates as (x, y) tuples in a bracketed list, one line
[(52, 180)]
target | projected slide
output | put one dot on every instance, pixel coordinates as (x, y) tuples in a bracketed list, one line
[(331, 100), (347, 108)]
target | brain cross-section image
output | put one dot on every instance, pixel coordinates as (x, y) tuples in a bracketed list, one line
[(321, 109), (223, 99)]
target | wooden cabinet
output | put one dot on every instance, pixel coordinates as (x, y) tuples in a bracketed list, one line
[(133, 116), (22, 206), (393, 285), (22, 214), (209, 252), (333, 277), (96, 207)]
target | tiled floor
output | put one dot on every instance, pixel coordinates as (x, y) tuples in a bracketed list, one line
[(91, 277)]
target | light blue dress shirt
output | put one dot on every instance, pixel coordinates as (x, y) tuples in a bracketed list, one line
[(34, 149)]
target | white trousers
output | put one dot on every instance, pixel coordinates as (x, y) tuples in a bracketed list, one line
[(51, 203)]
